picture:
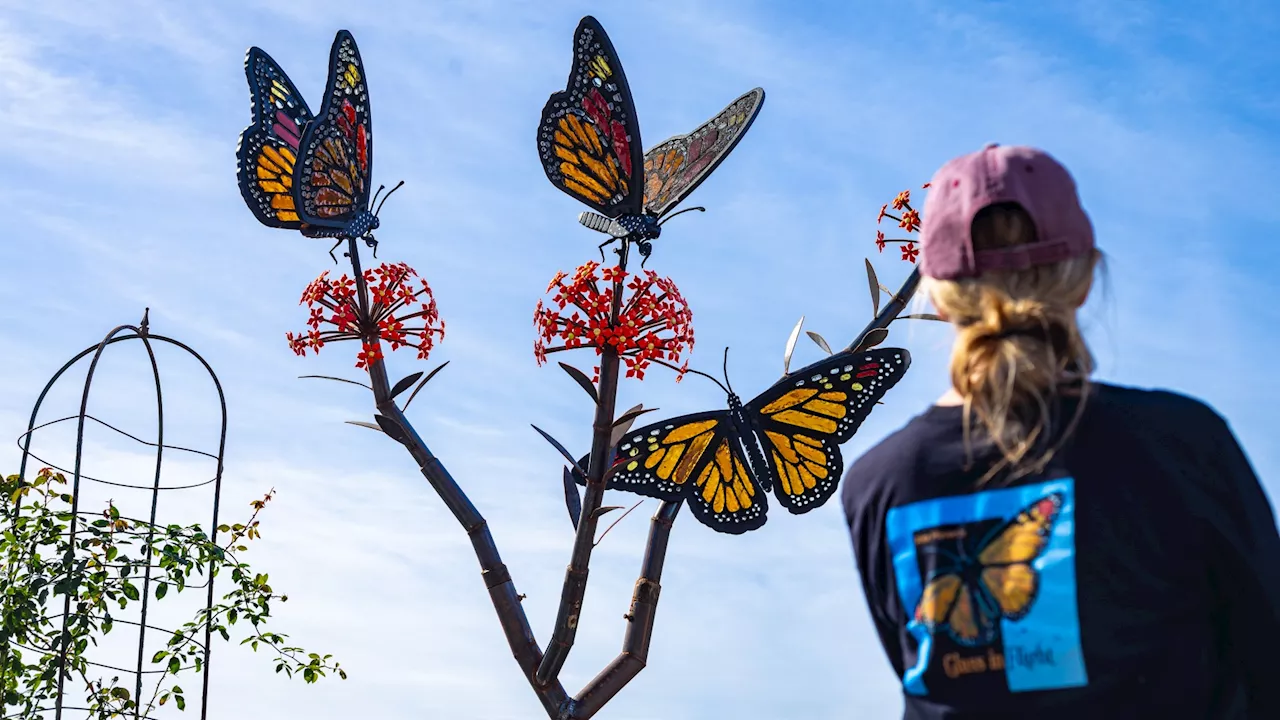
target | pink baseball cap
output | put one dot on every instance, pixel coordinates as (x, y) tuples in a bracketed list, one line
[(1023, 175)]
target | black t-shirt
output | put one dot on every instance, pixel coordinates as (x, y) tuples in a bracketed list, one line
[(1137, 576)]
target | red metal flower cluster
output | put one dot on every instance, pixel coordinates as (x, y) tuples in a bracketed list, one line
[(654, 322), (910, 221), (393, 300)]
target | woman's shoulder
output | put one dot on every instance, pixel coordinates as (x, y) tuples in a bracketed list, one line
[(1153, 409)]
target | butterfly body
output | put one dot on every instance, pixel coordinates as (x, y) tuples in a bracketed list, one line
[(786, 440), (589, 142), (317, 167)]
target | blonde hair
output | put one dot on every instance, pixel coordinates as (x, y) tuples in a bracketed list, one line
[(1018, 346)]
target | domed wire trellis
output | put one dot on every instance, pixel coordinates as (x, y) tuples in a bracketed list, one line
[(125, 333)]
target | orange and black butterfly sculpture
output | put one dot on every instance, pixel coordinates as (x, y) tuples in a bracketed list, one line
[(786, 440), (310, 172), (589, 141)]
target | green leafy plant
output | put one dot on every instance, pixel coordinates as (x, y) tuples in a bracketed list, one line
[(53, 567)]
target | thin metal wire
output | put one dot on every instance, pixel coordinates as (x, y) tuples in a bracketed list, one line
[(124, 333)]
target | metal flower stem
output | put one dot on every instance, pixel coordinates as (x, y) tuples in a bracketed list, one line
[(575, 579)]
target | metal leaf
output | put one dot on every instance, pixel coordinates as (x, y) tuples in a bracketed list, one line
[(613, 524), (582, 379), (580, 476), (875, 288), (392, 429), (329, 377), (921, 316), (425, 380), (606, 509), (874, 337), (556, 444), (791, 346), (404, 383), (371, 426), (625, 421), (571, 499), (819, 341)]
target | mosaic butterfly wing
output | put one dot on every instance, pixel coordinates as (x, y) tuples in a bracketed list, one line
[(268, 148), (697, 458), (803, 419), (722, 463), (332, 182), (677, 166), (589, 137), (971, 593)]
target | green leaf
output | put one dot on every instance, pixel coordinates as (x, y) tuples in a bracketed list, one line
[(174, 665), (130, 591), (161, 590), (159, 656), (181, 701)]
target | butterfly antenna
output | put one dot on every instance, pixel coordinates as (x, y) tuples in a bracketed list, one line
[(665, 219), (726, 370), (375, 195), (384, 197), (712, 378)]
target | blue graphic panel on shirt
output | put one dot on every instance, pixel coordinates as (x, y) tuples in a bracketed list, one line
[(990, 581)]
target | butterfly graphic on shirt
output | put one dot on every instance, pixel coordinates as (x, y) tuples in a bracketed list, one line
[(972, 586), (589, 142), (308, 172), (723, 462)]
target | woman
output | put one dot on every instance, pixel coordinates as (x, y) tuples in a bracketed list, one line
[(1037, 545)]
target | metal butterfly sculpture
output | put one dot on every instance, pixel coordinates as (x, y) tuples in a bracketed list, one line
[(308, 172), (589, 141), (723, 462)]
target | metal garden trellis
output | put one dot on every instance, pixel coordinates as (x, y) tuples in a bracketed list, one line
[(125, 333)]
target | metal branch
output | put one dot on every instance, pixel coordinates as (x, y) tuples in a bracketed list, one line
[(644, 607), (575, 579), (497, 579), (893, 308)]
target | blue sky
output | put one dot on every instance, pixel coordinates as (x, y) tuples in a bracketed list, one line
[(118, 126)]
